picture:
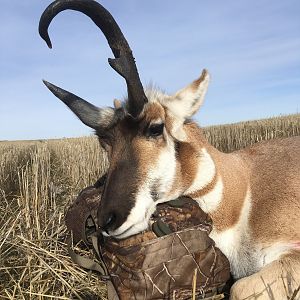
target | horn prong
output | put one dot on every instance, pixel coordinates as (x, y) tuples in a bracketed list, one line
[(123, 63)]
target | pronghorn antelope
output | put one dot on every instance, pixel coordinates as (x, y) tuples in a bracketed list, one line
[(157, 154)]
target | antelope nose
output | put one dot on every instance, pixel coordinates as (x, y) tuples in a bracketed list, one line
[(108, 222)]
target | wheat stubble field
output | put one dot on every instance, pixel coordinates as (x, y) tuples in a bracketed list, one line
[(38, 181)]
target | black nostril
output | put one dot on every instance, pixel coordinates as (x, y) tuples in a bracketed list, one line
[(110, 220)]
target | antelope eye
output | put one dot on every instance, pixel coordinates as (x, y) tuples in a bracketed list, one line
[(155, 130)]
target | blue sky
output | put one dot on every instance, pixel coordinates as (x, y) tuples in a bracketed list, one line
[(251, 48)]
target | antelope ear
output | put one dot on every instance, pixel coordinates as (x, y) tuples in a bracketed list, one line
[(185, 103)]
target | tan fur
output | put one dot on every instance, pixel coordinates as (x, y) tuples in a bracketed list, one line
[(206, 189), (272, 171), (275, 186), (186, 158), (153, 111), (139, 147), (145, 152), (258, 166), (227, 166), (258, 196), (235, 181), (195, 84)]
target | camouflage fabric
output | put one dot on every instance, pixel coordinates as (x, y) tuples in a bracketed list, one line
[(82, 214), (181, 262)]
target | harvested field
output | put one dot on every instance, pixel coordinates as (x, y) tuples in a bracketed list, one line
[(39, 179), (236, 136)]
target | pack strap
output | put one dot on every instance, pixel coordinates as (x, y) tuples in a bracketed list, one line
[(87, 263), (98, 266)]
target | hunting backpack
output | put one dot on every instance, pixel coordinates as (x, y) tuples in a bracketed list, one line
[(173, 259)]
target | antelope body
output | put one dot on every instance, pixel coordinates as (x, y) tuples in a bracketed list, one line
[(158, 154)]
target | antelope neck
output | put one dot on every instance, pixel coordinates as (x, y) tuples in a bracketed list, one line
[(219, 186)]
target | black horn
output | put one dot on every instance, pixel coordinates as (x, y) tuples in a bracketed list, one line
[(123, 62), (88, 113)]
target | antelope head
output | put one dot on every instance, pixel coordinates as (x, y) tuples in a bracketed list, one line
[(142, 135)]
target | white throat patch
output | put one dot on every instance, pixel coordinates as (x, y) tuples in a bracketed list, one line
[(205, 172), (211, 200)]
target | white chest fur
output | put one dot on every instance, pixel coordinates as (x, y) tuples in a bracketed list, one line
[(234, 242), (246, 256), (237, 245)]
